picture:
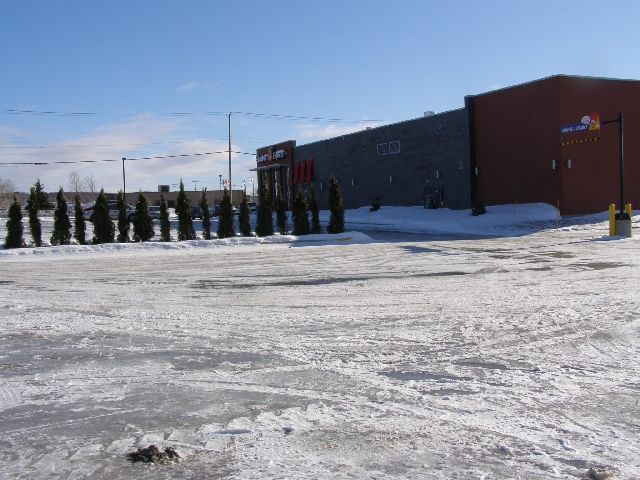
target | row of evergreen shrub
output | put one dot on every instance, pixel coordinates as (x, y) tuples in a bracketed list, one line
[(104, 230)]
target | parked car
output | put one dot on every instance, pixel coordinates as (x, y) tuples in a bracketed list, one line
[(253, 207), (113, 211), (196, 212), (154, 211), (215, 210)]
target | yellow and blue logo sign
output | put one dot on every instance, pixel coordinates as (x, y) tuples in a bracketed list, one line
[(588, 122)]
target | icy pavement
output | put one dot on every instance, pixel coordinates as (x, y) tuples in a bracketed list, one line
[(474, 359)]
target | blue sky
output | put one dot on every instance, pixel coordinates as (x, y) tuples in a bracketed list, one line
[(129, 64)]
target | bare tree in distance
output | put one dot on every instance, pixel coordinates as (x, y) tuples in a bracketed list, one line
[(89, 186), (84, 185), (7, 189), (75, 181)]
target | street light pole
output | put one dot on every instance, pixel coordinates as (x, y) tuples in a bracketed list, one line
[(124, 182), (230, 183), (618, 120)]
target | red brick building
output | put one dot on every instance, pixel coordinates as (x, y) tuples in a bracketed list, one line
[(516, 137)]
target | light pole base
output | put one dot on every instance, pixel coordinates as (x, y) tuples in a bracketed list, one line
[(623, 225)]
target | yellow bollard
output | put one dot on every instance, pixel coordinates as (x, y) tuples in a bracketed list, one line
[(627, 208), (612, 220)]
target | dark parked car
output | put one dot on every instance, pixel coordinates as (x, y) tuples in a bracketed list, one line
[(215, 210), (196, 212)]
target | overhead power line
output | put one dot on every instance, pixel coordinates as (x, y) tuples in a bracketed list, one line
[(69, 162), (184, 114)]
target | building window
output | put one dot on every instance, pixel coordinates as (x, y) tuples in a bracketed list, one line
[(394, 147), (382, 149)]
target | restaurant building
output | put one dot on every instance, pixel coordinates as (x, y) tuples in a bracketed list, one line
[(554, 141)]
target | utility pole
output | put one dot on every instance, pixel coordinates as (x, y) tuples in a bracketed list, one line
[(230, 184), (124, 182), (195, 182)]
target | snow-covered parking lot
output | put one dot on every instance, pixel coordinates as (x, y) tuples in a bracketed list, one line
[(349, 356)]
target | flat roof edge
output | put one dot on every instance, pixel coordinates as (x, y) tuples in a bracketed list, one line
[(381, 126)]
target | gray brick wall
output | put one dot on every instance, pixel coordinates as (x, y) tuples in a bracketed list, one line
[(427, 145)]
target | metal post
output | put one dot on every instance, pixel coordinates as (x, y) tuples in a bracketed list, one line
[(621, 165), (230, 183), (124, 182), (620, 139)]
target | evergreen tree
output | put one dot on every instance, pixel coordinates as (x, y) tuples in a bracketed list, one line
[(104, 231), (61, 224), (34, 222), (42, 197), (478, 207), (123, 220), (226, 222), (245, 215), (315, 213), (336, 218), (14, 226), (206, 215), (80, 228), (300, 214), (281, 212), (165, 224), (143, 230), (183, 210), (264, 221)]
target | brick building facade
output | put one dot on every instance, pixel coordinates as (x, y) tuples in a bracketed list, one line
[(504, 145)]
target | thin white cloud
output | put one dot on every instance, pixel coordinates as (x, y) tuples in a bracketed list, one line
[(188, 86), (7, 132), (133, 139), (308, 132), (193, 85)]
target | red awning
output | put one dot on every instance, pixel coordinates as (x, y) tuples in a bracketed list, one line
[(309, 166), (302, 165), (296, 168)]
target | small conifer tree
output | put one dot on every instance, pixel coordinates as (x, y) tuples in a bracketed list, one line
[(123, 219), (315, 213), (104, 231), (264, 221), (183, 210), (143, 230), (301, 214), (206, 215), (281, 212), (226, 222), (336, 218), (41, 196), (35, 226), (165, 224), (80, 226), (61, 224), (244, 219), (14, 226), (478, 207)]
